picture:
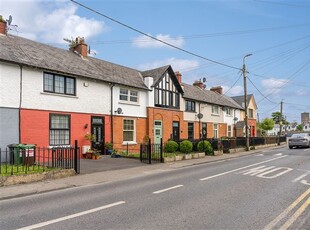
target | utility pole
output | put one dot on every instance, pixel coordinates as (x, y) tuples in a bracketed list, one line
[(247, 148), (281, 121)]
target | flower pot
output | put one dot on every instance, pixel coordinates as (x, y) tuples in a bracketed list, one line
[(108, 151)]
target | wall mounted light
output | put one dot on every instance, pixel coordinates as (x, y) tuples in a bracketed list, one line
[(85, 126), (85, 84)]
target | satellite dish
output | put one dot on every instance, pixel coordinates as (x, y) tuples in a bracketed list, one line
[(119, 110), (204, 80), (200, 115), (10, 20)]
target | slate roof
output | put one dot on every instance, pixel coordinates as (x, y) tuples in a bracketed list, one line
[(30, 53), (240, 99), (207, 96), (157, 73)]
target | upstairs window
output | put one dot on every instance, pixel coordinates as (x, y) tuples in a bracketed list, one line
[(54, 83), (190, 106), (128, 95), (215, 109), (166, 94), (251, 113), (229, 111)]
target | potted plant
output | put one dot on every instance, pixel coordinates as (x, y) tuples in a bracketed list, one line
[(95, 155), (109, 148)]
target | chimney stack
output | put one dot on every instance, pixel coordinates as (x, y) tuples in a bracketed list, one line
[(80, 47), (199, 84), (217, 89), (3, 26), (179, 76)]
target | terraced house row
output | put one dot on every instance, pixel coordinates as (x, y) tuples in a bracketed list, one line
[(52, 96)]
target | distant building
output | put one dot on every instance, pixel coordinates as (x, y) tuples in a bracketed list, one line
[(305, 118)]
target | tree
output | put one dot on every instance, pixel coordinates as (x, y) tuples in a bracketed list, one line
[(277, 117), (267, 124), (299, 127)]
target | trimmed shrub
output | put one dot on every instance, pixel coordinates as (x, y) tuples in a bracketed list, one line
[(205, 146), (186, 146), (171, 147)]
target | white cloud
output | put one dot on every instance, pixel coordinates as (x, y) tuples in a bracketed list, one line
[(147, 42), (234, 91), (273, 85), (50, 21), (177, 64)]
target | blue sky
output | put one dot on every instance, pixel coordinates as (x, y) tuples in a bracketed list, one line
[(276, 32)]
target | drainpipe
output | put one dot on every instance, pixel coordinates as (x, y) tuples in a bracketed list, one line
[(20, 101), (111, 114)]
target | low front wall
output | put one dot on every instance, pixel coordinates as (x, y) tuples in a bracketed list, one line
[(28, 178)]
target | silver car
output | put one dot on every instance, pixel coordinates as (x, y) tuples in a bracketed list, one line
[(299, 140)]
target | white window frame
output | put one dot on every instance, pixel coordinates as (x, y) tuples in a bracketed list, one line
[(228, 111), (129, 95), (229, 130), (215, 130), (251, 113), (215, 110), (134, 132), (59, 129)]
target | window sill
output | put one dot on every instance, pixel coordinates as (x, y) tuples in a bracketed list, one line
[(214, 114), (129, 103), (58, 94), (129, 143)]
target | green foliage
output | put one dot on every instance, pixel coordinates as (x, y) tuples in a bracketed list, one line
[(186, 146), (205, 146), (108, 146), (171, 147), (90, 137), (267, 124), (278, 117), (299, 127)]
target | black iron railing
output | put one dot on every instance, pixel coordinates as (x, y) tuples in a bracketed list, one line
[(23, 161), (150, 152)]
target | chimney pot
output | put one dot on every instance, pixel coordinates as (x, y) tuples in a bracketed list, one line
[(217, 89), (3, 26), (80, 47), (199, 84), (179, 76)]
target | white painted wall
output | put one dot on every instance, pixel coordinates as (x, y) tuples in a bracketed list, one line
[(9, 85), (130, 109), (95, 98)]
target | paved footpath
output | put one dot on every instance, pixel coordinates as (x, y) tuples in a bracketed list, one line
[(12, 191)]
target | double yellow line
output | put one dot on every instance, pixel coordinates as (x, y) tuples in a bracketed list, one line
[(285, 213)]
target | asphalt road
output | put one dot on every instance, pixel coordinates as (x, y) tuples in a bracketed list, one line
[(266, 190)]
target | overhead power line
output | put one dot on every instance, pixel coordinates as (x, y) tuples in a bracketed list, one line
[(154, 38)]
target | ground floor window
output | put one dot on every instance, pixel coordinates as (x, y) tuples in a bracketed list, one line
[(215, 130), (190, 131), (59, 129), (229, 129), (129, 130)]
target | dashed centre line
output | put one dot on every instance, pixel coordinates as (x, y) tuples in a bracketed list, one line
[(167, 189)]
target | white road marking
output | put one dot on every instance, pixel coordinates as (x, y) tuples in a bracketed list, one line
[(278, 154), (259, 155), (40, 225), (234, 170), (283, 171), (167, 189), (306, 150)]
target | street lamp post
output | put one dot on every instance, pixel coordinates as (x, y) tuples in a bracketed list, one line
[(246, 105)]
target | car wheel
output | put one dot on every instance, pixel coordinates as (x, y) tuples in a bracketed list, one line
[(290, 147)]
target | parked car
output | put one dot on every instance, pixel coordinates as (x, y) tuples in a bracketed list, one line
[(299, 140)]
